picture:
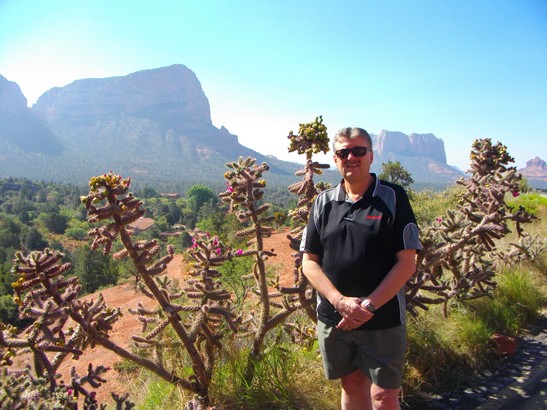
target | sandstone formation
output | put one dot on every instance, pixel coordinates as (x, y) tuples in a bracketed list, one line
[(171, 94), (12, 100), (413, 145), (156, 125), (536, 169), (18, 127)]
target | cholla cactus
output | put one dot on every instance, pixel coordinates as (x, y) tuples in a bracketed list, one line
[(21, 390), (528, 248), (194, 314), (312, 138), (243, 194), (459, 250), (200, 332), (63, 325)]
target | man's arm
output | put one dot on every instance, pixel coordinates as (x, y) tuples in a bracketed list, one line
[(396, 278), (348, 307)]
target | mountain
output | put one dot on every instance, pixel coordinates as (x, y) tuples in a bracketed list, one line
[(535, 172), (423, 155), (155, 125), (18, 127)]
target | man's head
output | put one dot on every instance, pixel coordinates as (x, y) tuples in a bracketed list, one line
[(353, 154), (351, 133)]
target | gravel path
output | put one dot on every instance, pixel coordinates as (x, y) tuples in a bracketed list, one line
[(519, 382)]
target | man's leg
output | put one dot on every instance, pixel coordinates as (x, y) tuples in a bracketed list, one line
[(385, 399), (356, 391)]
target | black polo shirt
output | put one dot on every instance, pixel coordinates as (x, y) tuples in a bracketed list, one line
[(357, 245)]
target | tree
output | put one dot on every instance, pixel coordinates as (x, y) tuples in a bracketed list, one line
[(200, 194), (77, 229), (9, 234), (148, 192), (54, 221), (394, 172), (34, 240), (6, 277), (94, 269), (8, 309)]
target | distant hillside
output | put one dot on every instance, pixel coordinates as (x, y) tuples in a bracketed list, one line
[(155, 125)]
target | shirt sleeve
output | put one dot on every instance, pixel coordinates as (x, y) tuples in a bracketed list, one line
[(311, 241), (405, 224)]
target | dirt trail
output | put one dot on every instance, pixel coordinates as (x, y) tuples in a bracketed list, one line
[(126, 297)]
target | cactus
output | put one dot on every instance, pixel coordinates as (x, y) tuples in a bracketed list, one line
[(51, 301), (243, 194), (311, 138), (194, 313), (457, 262), (459, 251)]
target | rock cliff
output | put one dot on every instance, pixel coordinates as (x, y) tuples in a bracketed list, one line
[(413, 145), (12, 100), (170, 94), (156, 125), (19, 128), (536, 172)]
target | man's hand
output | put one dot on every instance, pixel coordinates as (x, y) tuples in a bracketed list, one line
[(353, 313)]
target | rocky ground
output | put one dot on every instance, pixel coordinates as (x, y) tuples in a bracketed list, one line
[(519, 381)]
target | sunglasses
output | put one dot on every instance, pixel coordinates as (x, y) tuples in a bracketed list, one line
[(356, 151)]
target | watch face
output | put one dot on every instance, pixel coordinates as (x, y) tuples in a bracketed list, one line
[(369, 306)]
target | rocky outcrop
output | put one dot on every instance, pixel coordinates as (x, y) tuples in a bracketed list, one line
[(18, 127), (156, 125), (536, 169), (413, 145), (171, 95), (12, 100), (392, 141), (428, 145)]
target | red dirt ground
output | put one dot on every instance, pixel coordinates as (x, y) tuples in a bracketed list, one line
[(125, 297)]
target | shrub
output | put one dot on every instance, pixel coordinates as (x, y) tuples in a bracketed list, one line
[(532, 202), (516, 303), (8, 310)]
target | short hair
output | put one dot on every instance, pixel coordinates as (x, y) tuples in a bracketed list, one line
[(351, 133)]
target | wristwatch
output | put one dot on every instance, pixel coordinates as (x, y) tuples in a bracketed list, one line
[(368, 305)]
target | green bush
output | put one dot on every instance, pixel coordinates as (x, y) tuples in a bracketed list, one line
[(532, 202), (429, 205), (94, 269), (8, 310), (234, 272), (77, 229), (516, 303)]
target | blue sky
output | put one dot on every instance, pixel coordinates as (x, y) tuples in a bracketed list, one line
[(460, 70)]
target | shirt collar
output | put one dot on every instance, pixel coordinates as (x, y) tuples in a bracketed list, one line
[(371, 191)]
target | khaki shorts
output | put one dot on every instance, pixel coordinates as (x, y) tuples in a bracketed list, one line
[(379, 354)]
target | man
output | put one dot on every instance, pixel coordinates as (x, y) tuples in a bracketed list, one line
[(359, 250)]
